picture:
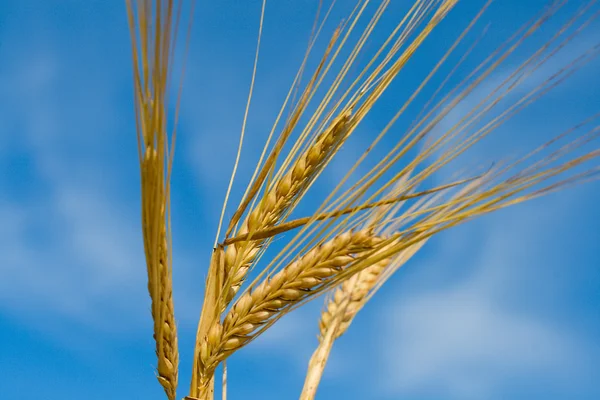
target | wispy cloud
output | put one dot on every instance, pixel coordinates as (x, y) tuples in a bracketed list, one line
[(71, 247), (477, 336)]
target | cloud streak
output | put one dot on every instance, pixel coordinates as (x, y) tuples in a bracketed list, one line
[(476, 336)]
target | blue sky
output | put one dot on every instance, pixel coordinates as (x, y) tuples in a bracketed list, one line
[(507, 306)]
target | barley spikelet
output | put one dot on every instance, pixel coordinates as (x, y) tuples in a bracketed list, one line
[(277, 200)]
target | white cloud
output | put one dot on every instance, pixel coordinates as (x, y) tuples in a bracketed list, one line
[(462, 342), (71, 246), (473, 337)]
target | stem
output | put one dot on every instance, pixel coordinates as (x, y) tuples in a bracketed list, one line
[(317, 362), (224, 390), (202, 385)]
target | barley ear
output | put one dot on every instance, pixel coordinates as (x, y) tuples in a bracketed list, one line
[(282, 195), (261, 306), (151, 29)]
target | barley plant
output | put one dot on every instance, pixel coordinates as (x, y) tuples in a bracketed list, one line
[(385, 207)]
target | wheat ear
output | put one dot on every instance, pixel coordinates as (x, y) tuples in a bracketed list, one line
[(239, 256), (356, 291), (335, 320), (261, 306), (159, 272), (346, 301), (151, 29)]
